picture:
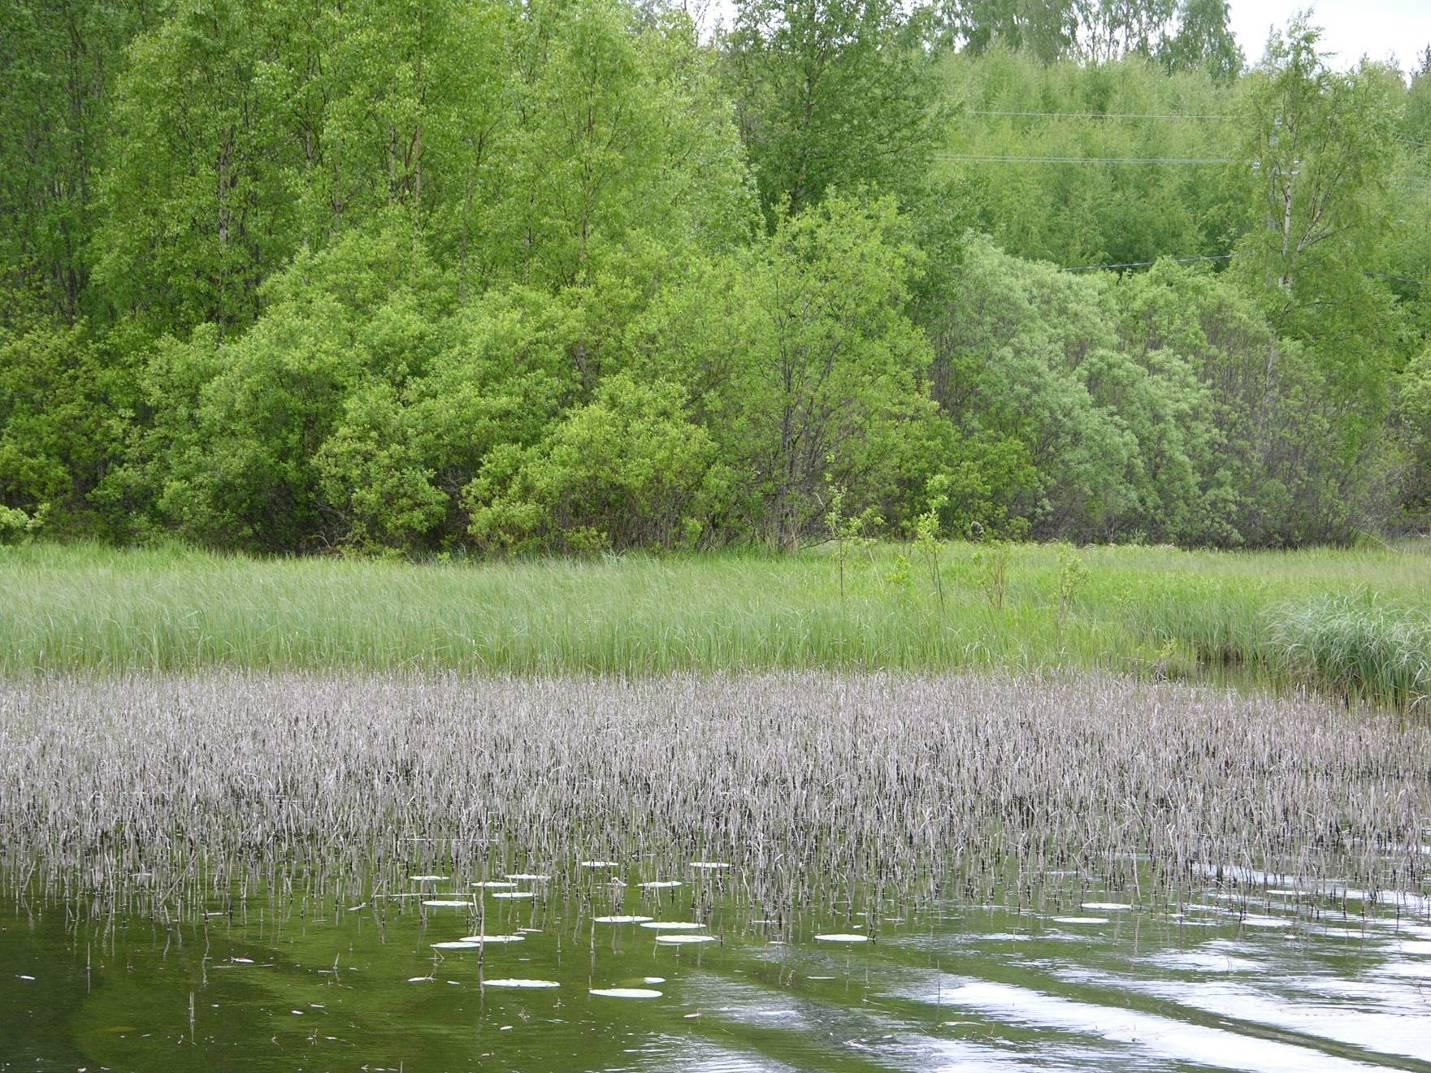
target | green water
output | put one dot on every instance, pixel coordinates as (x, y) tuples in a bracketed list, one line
[(1283, 982)]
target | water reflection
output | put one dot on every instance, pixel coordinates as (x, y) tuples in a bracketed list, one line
[(1267, 984)]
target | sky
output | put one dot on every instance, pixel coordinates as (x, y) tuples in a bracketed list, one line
[(1376, 28)]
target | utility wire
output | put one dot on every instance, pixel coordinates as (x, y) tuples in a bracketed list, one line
[(1097, 115), (1148, 264), (1215, 257), (1167, 161)]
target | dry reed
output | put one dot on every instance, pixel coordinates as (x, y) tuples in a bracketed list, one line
[(179, 794)]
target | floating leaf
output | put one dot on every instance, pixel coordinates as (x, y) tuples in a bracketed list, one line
[(625, 992)]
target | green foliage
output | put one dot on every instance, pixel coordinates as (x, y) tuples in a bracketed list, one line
[(235, 455), (1072, 579), (1324, 149), (1414, 423), (626, 470), (58, 63), (1023, 154), (194, 200), (65, 408), (417, 276), (15, 525), (1269, 467), (847, 531), (926, 537), (831, 94), (991, 572), (371, 473), (800, 361)]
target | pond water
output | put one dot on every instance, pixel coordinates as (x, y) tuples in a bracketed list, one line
[(1278, 980)]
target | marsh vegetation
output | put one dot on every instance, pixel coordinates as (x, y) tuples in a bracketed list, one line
[(175, 796), (761, 872), (1353, 624)]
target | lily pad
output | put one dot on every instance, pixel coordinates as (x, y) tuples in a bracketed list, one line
[(625, 992)]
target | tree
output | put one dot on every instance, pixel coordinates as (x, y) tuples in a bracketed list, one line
[(801, 360), (1203, 42), (1413, 414), (628, 469), (1323, 149), (58, 65), (1321, 145), (1024, 151), (830, 94), (238, 453), (195, 196), (65, 409), (1045, 29)]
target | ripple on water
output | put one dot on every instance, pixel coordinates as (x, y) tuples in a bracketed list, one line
[(1154, 1034)]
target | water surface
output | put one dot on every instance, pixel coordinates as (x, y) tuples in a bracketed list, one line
[(1275, 982)]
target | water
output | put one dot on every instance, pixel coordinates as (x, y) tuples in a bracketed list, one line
[(1283, 982)]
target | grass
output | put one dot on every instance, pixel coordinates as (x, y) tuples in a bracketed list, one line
[(1355, 621)]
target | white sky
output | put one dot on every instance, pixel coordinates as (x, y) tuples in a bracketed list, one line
[(1379, 29)]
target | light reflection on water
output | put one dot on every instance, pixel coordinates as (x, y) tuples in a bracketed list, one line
[(1263, 985)]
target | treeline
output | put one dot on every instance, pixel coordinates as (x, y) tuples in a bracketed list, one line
[(421, 275)]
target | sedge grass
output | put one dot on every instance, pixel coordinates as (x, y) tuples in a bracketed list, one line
[(1144, 611)]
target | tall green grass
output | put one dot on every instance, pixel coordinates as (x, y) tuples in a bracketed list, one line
[(1347, 619)]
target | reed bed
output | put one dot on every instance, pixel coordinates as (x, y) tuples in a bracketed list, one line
[(1264, 618), (186, 794)]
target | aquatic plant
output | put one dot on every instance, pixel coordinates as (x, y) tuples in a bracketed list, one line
[(190, 794)]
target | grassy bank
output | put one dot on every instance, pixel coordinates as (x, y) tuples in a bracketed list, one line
[(1358, 621)]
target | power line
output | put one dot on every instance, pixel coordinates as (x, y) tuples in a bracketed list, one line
[(1214, 257), (1149, 264), (972, 158), (1097, 115)]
